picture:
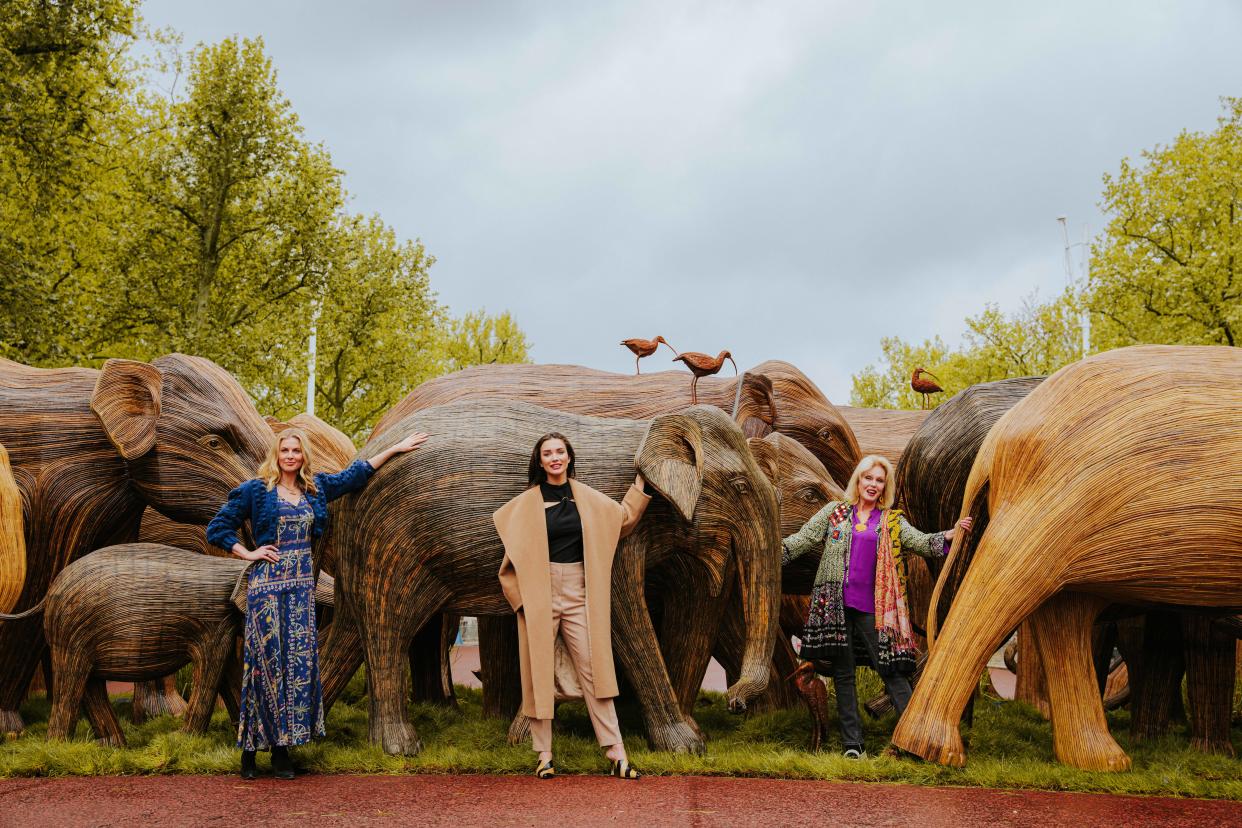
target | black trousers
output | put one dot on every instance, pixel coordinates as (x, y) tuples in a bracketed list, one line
[(860, 626)]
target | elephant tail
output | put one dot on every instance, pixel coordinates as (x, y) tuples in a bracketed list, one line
[(975, 505), (35, 610)]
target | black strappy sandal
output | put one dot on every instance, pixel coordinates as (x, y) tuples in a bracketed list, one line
[(622, 769), (546, 770)]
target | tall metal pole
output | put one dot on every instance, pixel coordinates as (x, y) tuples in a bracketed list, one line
[(310, 357), (1072, 281)]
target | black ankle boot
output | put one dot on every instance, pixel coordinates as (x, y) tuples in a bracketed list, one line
[(247, 765), (281, 763)]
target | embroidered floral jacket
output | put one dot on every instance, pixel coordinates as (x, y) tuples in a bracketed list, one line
[(832, 530)]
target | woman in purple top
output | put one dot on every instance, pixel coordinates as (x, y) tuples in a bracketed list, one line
[(859, 597)]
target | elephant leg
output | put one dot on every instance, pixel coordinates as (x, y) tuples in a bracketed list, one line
[(71, 672), (209, 663), (1031, 686), (731, 643), (388, 627), (689, 627), (231, 681), (1153, 650), (156, 698), (100, 714), (638, 650), (340, 655), (1211, 674), (1062, 630), (431, 677), (981, 618), (500, 666)]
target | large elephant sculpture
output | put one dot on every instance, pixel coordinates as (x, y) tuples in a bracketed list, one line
[(12, 536), (772, 396), (883, 431), (91, 448), (419, 540), (1117, 480)]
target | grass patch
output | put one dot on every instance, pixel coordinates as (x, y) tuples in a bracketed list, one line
[(1009, 746)]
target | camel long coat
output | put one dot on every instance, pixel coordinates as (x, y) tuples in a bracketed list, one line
[(526, 578)]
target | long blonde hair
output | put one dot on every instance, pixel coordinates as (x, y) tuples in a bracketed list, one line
[(865, 465), (269, 472)]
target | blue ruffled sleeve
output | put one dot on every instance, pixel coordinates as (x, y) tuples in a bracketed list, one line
[(222, 530), (351, 479)]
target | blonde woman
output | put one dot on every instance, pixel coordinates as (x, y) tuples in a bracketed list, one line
[(859, 598), (287, 506)]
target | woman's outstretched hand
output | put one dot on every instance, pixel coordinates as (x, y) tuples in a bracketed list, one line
[(963, 525), (408, 444)]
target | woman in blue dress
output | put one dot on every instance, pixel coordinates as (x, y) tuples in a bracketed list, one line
[(281, 698)]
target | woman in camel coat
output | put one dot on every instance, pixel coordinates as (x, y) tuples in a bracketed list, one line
[(560, 537)]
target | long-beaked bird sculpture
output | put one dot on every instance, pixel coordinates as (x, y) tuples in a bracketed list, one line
[(644, 348), (702, 365)]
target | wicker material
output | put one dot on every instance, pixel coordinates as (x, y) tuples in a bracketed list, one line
[(883, 431), (59, 427), (136, 612), (420, 540), (774, 396), (12, 537), (1103, 457)]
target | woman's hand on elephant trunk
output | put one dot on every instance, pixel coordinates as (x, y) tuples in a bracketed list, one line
[(266, 552), (964, 525)]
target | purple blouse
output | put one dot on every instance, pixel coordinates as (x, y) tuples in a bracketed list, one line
[(860, 574)]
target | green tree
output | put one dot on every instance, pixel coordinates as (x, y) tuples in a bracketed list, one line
[(1165, 270), (64, 79), (480, 339), (379, 327), (1036, 340)]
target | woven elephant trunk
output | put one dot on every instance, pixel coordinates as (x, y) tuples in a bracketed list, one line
[(12, 537), (1117, 480), (419, 540), (136, 612)]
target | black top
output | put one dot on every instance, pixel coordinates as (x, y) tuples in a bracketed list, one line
[(564, 525)]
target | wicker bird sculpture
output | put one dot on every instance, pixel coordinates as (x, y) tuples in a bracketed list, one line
[(815, 694), (924, 386), (702, 365), (644, 348)]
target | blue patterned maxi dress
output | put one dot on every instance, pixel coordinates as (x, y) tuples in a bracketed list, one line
[(281, 699)]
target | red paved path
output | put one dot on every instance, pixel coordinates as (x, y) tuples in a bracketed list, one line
[(567, 801)]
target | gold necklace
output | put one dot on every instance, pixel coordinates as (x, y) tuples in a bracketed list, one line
[(861, 525)]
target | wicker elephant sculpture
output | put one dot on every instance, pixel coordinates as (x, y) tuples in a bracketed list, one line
[(1117, 480), (91, 448), (135, 612), (419, 540)]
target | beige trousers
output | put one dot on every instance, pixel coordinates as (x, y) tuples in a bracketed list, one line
[(569, 617)]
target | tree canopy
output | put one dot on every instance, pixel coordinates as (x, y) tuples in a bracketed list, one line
[(175, 204)]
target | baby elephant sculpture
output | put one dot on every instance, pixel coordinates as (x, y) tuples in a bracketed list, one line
[(135, 612), (1117, 480)]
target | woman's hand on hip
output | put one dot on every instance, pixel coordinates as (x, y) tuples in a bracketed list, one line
[(266, 552)]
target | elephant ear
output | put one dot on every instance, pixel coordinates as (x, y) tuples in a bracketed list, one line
[(276, 425), (754, 405), (127, 402), (670, 459), (767, 454)]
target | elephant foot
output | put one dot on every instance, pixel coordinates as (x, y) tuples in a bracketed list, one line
[(1091, 751), (519, 730), (156, 698), (396, 738), (677, 737), (11, 724), (1218, 746), (939, 742)]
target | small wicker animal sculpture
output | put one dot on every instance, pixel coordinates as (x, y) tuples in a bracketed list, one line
[(924, 386), (702, 365), (812, 690), (644, 348), (135, 612)]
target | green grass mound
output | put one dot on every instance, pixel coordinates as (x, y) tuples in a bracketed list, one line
[(1010, 746)]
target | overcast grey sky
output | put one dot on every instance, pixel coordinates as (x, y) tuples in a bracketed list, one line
[(786, 180)]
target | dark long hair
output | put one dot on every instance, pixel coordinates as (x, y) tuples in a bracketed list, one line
[(535, 473)]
